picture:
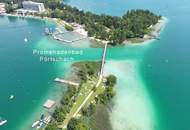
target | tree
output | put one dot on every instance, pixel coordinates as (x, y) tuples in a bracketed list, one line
[(51, 126), (9, 8), (81, 126), (88, 111), (111, 80), (77, 124), (68, 28), (59, 114)]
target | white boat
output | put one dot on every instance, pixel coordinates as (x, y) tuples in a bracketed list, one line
[(40, 125), (25, 40), (2, 122), (11, 97), (35, 124)]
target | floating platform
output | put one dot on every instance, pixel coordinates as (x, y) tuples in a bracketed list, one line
[(49, 104)]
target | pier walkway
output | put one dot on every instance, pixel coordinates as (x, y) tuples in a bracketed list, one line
[(66, 82)]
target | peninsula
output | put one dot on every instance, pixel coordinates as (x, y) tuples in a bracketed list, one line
[(134, 26), (78, 105)]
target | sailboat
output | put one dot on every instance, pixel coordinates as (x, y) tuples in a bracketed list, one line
[(2, 121)]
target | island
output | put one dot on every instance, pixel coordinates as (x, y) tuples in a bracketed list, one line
[(77, 109)]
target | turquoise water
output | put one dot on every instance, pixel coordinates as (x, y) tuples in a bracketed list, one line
[(165, 67), (28, 79), (159, 71)]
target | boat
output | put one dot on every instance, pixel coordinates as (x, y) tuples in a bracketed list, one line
[(41, 122), (2, 122), (25, 40), (40, 125), (35, 124), (11, 97)]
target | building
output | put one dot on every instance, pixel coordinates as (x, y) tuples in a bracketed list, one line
[(33, 6), (2, 8)]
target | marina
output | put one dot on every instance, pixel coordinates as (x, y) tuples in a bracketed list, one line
[(42, 122)]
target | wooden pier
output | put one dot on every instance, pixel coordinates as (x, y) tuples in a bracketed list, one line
[(66, 82), (103, 59)]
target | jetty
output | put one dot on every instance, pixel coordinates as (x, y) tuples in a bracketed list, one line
[(66, 82), (49, 104), (103, 59)]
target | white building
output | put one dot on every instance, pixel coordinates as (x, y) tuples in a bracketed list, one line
[(33, 6), (2, 8)]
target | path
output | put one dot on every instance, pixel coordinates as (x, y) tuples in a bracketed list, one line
[(98, 83)]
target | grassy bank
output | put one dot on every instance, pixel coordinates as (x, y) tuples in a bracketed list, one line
[(67, 116)]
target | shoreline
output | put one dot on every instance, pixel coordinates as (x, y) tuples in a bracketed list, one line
[(156, 31), (154, 35), (97, 43)]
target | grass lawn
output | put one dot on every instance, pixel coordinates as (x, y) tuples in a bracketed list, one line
[(85, 90)]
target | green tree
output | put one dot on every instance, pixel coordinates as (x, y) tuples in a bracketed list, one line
[(59, 114), (77, 124), (9, 8), (51, 126), (88, 111), (111, 80)]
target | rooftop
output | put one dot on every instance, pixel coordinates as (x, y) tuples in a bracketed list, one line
[(31, 2)]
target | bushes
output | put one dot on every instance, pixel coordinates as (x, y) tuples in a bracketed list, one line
[(88, 111), (111, 80), (66, 103), (51, 126), (77, 124), (68, 27)]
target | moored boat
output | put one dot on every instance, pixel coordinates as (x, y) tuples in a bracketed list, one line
[(35, 124), (2, 121)]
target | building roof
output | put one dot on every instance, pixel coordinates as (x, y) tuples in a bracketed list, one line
[(31, 2)]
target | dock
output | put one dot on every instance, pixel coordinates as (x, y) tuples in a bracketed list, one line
[(49, 104), (66, 82), (103, 60)]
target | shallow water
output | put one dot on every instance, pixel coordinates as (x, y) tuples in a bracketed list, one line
[(133, 108), (165, 66), (149, 89)]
